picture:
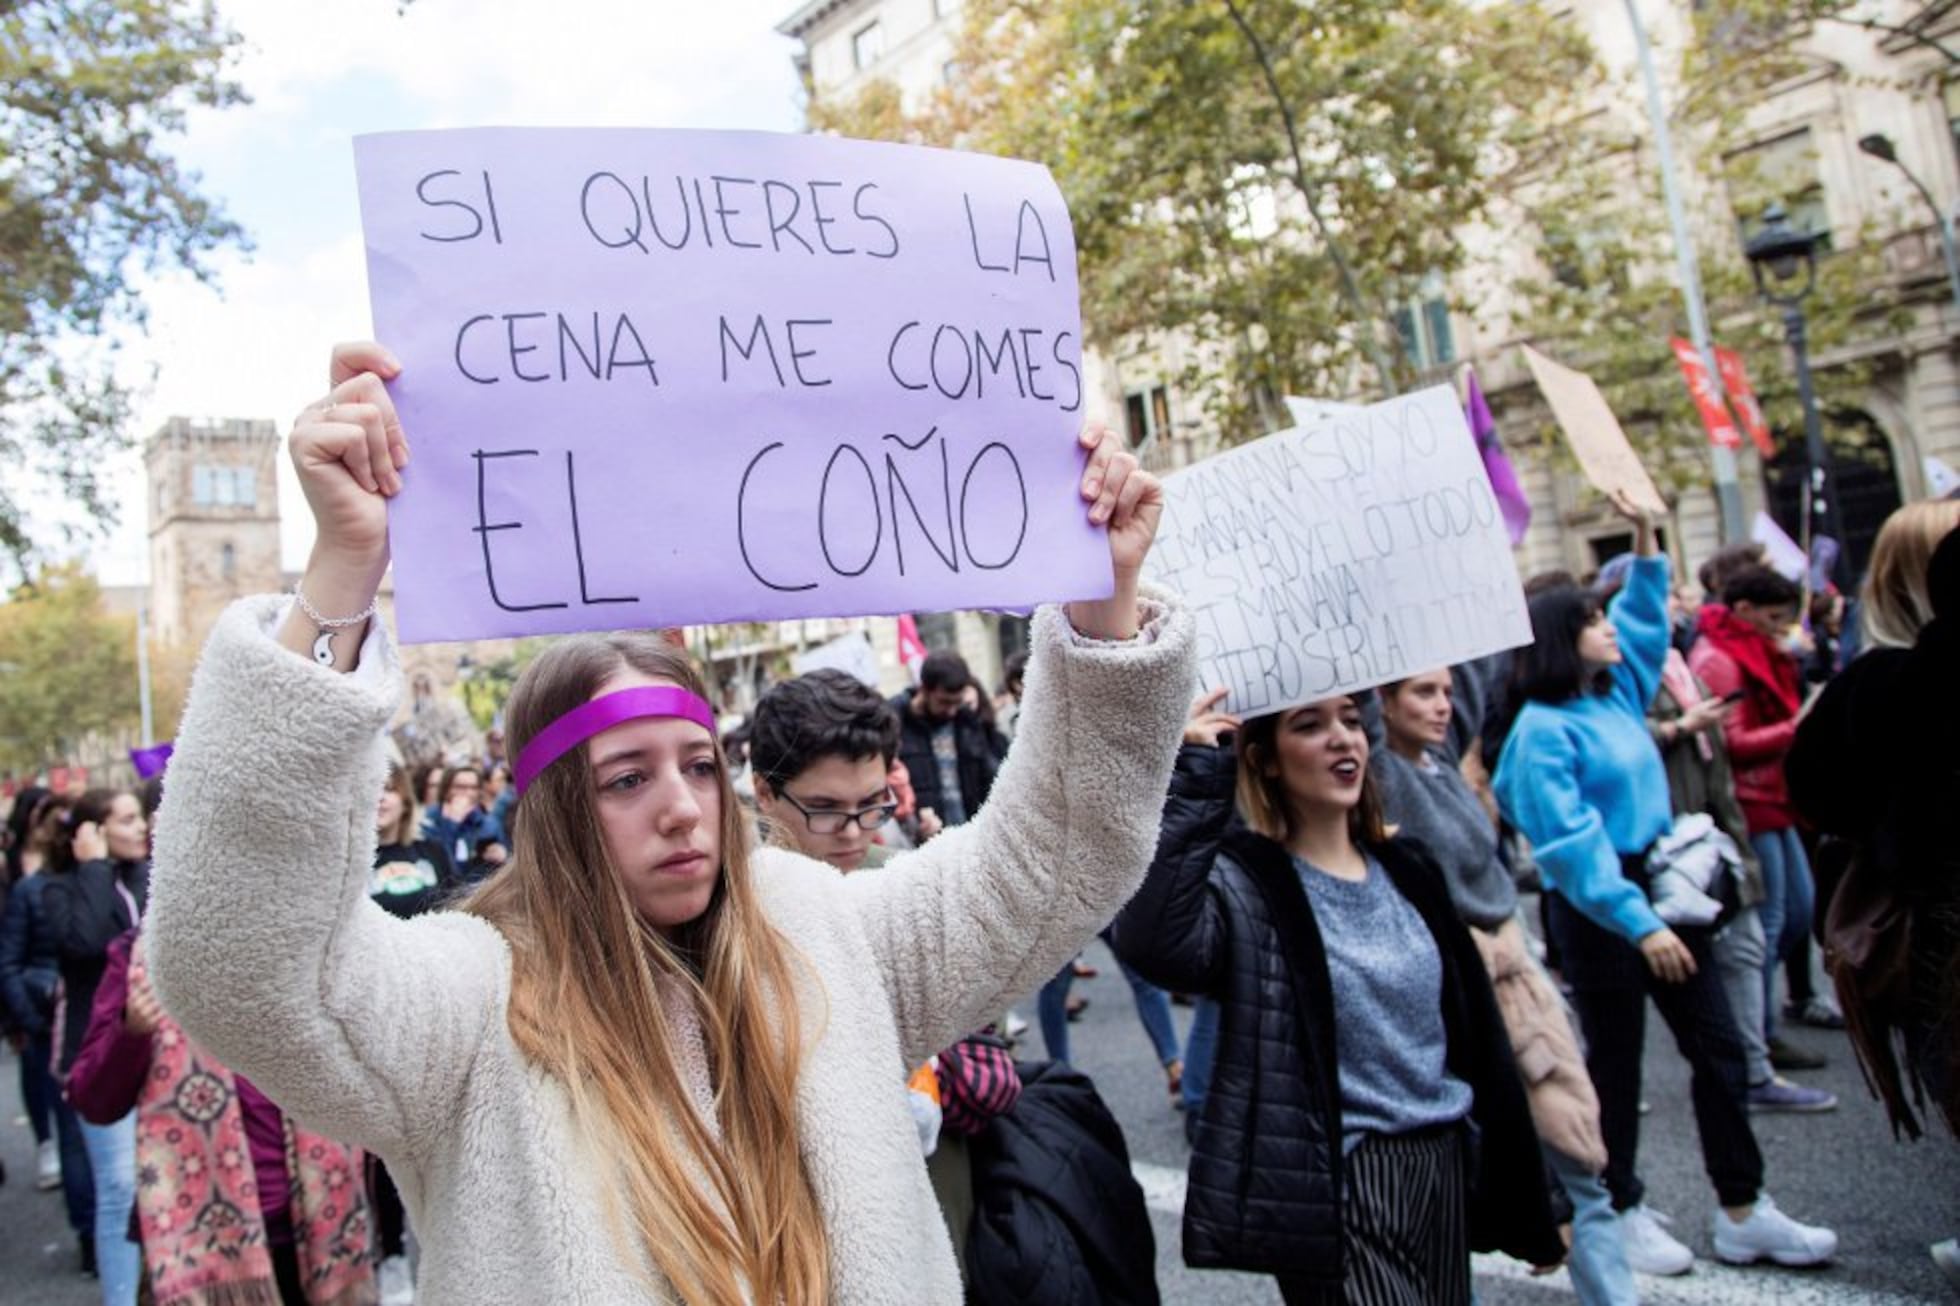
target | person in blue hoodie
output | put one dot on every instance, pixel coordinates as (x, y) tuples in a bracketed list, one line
[(1581, 778)]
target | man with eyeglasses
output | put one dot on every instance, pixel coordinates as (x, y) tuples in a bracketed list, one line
[(820, 752)]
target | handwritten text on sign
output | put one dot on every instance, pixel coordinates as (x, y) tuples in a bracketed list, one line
[(1320, 560), (666, 377)]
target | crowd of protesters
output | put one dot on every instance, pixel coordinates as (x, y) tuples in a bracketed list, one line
[(650, 1008)]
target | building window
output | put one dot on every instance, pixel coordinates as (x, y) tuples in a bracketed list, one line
[(1423, 323), (1147, 413), (867, 45), (938, 630), (1782, 171), (224, 487)]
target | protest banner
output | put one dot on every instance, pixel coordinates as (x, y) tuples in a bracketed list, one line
[(1708, 401), (851, 654), (1783, 554), (1604, 454), (671, 377), (1748, 409), (1325, 559)]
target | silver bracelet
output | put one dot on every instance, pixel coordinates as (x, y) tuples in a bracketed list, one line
[(334, 623), (327, 626)]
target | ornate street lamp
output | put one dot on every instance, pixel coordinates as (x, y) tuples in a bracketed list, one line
[(1783, 259)]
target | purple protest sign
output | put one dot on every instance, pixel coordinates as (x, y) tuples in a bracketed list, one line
[(672, 377)]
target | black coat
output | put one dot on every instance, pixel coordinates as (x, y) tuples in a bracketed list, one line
[(82, 911), (1058, 1218), (1223, 913), (980, 751), (30, 960)]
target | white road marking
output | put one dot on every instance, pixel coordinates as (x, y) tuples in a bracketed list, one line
[(1711, 1284)]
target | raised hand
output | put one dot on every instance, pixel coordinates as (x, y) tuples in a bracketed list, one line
[(1207, 726), (349, 450), (1130, 502)]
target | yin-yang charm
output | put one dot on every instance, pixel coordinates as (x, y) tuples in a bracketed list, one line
[(323, 648)]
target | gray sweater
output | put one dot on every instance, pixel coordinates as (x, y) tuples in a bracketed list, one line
[(1434, 805), (1387, 979)]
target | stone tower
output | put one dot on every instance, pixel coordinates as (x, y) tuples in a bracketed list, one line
[(214, 521)]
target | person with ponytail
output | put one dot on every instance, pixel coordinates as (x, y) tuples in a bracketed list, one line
[(647, 1061)]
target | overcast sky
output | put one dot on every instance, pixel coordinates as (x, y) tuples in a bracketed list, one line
[(256, 345)]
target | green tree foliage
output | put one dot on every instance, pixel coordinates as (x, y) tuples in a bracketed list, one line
[(1418, 124), (90, 92), (1169, 134), (67, 669)]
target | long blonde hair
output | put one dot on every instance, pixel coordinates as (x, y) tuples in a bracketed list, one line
[(1896, 600), (725, 1220)]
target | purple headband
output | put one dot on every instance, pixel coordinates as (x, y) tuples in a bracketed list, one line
[(601, 714)]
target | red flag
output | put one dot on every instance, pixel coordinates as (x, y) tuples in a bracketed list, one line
[(911, 649), (1750, 412), (1714, 416)]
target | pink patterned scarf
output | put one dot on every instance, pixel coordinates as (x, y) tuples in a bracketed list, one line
[(197, 1199)]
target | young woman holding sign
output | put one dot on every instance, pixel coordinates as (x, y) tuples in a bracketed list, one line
[(1582, 779), (647, 1061), (1361, 1063)]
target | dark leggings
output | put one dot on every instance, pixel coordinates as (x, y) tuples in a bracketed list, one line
[(285, 1272), (390, 1221), (1610, 987)]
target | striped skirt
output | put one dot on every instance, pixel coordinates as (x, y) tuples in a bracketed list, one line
[(1404, 1224)]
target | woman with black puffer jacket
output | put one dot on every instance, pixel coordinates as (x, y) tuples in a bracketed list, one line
[(1360, 1051)]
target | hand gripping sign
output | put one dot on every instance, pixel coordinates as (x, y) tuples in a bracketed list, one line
[(672, 377)]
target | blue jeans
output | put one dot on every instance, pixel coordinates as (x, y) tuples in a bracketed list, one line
[(1786, 911), (77, 1181), (1598, 1264), (1153, 1009), (1200, 1046), (112, 1161), (38, 1091)]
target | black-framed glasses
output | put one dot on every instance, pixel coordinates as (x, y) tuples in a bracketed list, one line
[(831, 821)]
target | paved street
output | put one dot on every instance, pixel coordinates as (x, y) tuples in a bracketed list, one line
[(1887, 1201)]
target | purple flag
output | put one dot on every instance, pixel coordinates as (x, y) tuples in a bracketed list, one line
[(150, 761), (1503, 477)]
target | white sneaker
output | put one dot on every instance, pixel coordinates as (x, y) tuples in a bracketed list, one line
[(1651, 1249), (1014, 1026), (396, 1282), (47, 1167), (1768, 1234)]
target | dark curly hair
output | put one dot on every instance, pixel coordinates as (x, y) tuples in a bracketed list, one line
[(825, 713)]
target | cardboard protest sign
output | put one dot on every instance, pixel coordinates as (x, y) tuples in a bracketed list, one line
[(672, 377), (1601, 447), (1330, 558), (851, 654)]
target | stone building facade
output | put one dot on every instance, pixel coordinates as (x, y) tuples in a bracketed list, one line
[(214, 521)]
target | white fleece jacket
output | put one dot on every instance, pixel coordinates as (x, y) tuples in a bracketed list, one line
[(391, 1034)]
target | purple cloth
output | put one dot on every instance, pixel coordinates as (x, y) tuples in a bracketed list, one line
[(107, 1078), (265, 1134), (150, 761), (1511, 500)]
